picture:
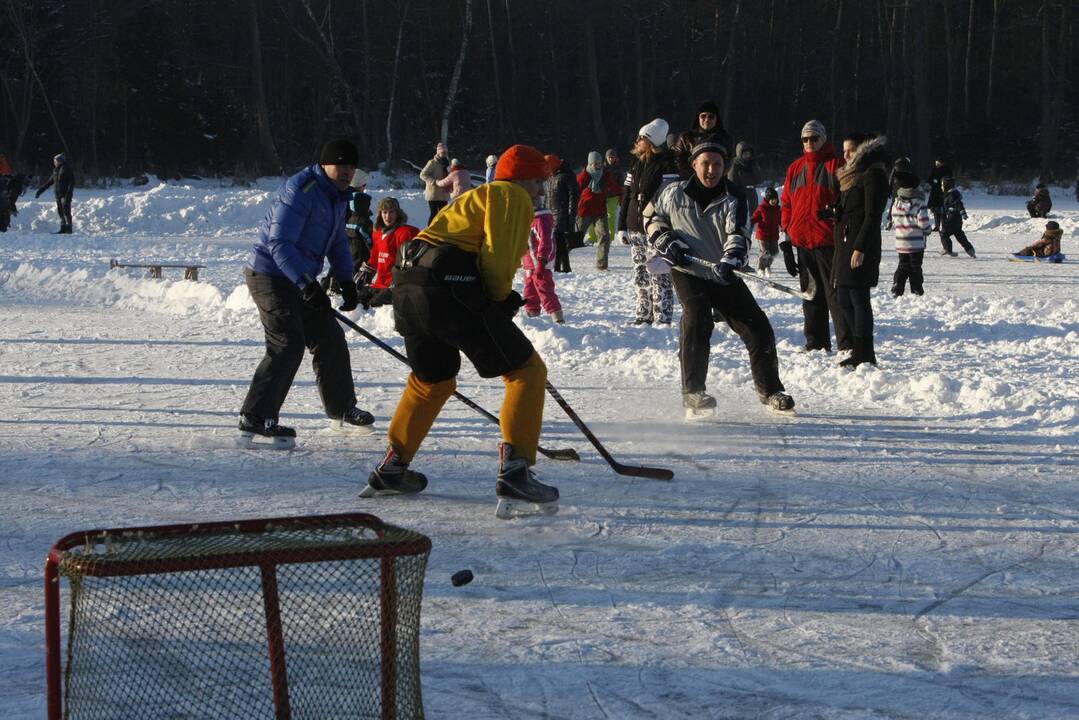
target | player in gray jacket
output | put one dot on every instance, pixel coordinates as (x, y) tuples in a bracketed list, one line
[(705, 217)]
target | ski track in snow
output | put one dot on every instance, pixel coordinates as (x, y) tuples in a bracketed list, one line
[(903, 547)]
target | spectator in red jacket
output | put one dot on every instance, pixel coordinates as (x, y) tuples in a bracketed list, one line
[(809, 193), (596, 184), (766, 218), (391, 232)]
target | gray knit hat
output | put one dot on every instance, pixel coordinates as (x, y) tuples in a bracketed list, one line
[(814, 127)]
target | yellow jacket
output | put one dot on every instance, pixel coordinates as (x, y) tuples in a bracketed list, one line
[(492, 222)]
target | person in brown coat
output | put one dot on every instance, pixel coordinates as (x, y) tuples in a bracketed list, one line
[(1041, 203), (863, 187), (1046, 246)]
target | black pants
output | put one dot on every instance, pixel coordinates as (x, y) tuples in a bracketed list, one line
[(561, 251), (946, 235), (63, 209), (439, 319), (909, 268), (290, 326), (817, 263), (435, 206), (859, 316), (736, 305)]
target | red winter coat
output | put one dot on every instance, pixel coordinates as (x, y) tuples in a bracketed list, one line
[(810, 186), (592, 204), (766, 216), (384, 244)]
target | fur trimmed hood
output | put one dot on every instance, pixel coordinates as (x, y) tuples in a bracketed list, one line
[(871, 153)]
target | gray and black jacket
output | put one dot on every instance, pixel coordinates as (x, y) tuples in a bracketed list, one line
[(712, 233)]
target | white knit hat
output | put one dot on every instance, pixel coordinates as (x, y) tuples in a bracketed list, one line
[(359, 179), (814, 127), (492, 160), (655, 131)]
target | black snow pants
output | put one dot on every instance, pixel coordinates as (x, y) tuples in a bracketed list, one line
[(817, 262), (290, 326), (63, 209), (736, 305), (909, 268)]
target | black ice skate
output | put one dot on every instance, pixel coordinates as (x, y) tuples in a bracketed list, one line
[(392, 477), (699, 405), (353, 422), (518, 491), (254, 429), (779, 401)]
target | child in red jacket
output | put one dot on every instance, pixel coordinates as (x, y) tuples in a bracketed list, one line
[(391, 232), (539, 281), (766, 218)]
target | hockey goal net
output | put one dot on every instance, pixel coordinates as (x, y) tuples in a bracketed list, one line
[(305, 617)]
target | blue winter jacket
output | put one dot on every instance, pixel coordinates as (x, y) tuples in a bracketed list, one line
[(304, 225)]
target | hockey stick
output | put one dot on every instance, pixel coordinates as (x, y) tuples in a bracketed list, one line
[(567, 454), (633, 470), (808, 294)]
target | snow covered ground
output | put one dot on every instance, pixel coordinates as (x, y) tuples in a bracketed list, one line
[(904, 547)]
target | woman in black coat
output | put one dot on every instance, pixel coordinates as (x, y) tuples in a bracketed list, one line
[(863, 186)]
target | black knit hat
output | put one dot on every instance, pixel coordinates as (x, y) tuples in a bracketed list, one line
[(1052, 225), (708, 106), (339, 152), (708, 145)]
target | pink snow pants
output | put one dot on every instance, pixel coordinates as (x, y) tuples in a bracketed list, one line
[(539, 288)]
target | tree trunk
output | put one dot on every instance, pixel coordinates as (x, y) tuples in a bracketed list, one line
[(966, 66), (393, 86), (513, 67), (599, 135), (497, 80), (920, 22), (731, 63), (949, 67), (266, 160), (451, 94), (997, 5), (1050, 93)]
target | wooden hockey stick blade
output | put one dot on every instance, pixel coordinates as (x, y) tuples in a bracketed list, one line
[(652, 473), (563, 454)]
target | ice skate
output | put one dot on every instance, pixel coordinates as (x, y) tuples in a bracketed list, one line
[(699, 405), (970, 251), (265, 433), (779, 401), (392, 477), (353, 422), (518, 491)]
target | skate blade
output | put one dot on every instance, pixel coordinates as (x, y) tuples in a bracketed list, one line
[(342, 428), (694, 415), (370, 492), (509, 508), (251, 441)]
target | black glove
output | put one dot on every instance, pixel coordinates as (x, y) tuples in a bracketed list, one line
[(364, 275), (315, 297), (828, 212), (723, 273), (511, 303), (38, 193), (788, 258), (381, 297), (364, 294), (349, 295), (670, 248)]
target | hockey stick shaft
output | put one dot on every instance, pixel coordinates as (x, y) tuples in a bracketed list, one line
[(631, 470), (568, 454), (808, 294)]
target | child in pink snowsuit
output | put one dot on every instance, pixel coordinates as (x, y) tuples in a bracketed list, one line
[(539, 281)]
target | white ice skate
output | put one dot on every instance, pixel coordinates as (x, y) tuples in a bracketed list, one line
[(699, 405), (256, 433), (353, 422), (518, 491)]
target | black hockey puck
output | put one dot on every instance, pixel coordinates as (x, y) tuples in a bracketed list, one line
[(461, 577)]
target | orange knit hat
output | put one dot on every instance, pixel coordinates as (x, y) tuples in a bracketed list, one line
[(553, 163), (521, 162)]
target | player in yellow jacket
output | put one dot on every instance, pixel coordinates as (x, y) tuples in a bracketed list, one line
[(452, 294)]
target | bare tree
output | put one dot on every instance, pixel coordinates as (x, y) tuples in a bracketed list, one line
[(266, 158), (451, 93), (393, 83)]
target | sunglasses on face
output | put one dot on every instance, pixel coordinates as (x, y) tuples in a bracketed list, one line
[(811, 138), (708, 116)]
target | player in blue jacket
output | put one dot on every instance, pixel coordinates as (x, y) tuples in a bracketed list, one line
[(304, 226)]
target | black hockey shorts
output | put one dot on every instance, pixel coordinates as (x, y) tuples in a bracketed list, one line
[(441, 310)]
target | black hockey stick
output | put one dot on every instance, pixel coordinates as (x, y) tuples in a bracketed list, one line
[(633, 470), (808, 294), (567, 454)]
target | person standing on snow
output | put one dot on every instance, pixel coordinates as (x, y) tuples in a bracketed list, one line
[(863, 187), (707, 125), (436, 169), (357, 228), (458, 181), (706, 217), (596, 185), (613, 165), (563, 194), (743, 173), (539, 289), (375, 275), (453, 294), (304, 225), (1040, 205), (910, 218), (936, 193), (653, 169), (809, 190), (766, 219), (951, 223), (63, 183)]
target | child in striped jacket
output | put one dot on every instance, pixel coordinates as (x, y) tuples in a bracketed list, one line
[(912, 223)]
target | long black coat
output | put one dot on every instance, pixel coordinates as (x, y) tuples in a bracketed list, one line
[(859, 221)]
